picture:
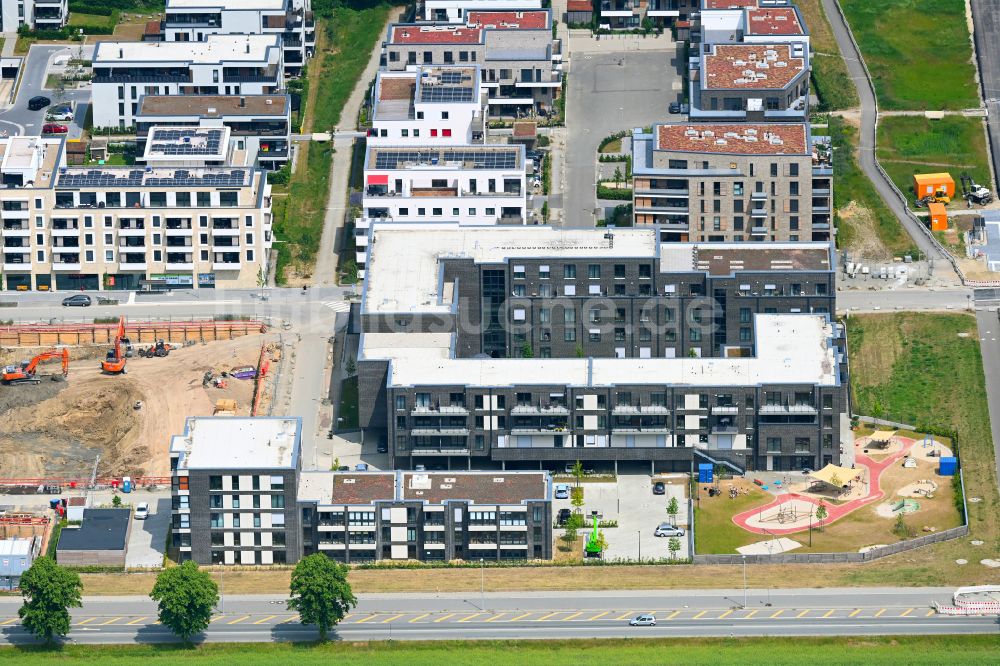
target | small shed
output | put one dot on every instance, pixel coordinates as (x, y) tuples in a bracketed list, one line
[(74, 508), (16, 556), (76, 151), (101, 539), (938, 216), (99, 148), (928, 184)]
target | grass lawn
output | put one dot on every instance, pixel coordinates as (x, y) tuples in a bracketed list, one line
[(868, 224), (714, 529), (348, 403), (918, 52), (718, 652), (831, 82), (79, 20), (914, 144)]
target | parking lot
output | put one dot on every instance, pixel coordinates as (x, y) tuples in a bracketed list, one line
[(631, 502), (18, 119)]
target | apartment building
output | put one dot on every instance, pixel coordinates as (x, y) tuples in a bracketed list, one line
[(234, 487), (102, 227), (752, 82), (36, 14), (427, 516), (259, 126), (520, 62), (428, 105), (474, 185), (446, 311), (733, 182), (220, 65), (456, 11), (752, 21), (194, 20), (630, 14)]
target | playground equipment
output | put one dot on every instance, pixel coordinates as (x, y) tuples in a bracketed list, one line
[(788, 512), (905, 506)]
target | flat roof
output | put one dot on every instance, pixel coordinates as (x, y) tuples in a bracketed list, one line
[(121, 177), (750, 66), (477, 487), (728, 4), (166, 143), (15, 547), (434, 34), (101, 529), (580, 6), (719, 259), (224, 442), (225, 4), (774, 21), (215, 49), (213, 106), (394, 158), (537, 19), (734, 138)]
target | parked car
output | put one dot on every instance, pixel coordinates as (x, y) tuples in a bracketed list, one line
[(668, 530), (562, 517), (344, 468), (643, 621), (659, 488), (142, 511), (562, 491), (38, 102), (77, 300), (63, 113), (361, 467), (54, 128), (420, 468), (675, 107), (383, 447)]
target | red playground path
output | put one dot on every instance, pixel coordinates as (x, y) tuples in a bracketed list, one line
[(834, 511)]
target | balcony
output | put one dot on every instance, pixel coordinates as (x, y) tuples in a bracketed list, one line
[(132, 231), (617, 8), (640, 429), (723, 429), (445, 451), (14, 214), (441, 431), (15, 232), (787, 409), (640, 409), (71, 231), (758, 231), (758, 196), (440, 410), (180, 266), (538, 409), (66, 249), (510, 220), (725, 409), (182, 232), (758, 212), (66, 266), (225, 265), (224, 231), (13, 261)]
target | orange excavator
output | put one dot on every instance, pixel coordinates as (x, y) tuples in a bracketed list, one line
[(114, 364), (25, 373)]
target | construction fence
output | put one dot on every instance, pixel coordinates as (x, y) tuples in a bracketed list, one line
[(73, 335)]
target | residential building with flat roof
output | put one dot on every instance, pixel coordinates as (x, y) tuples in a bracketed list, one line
[(729, 22), (35, 14), (457, 11), (722, 182), (427, 516), (249, 64), (479, 348), (175, 222)]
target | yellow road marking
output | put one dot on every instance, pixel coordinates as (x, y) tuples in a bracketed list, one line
[(498, 615), (598, 616), (906, 612), (239, 619), (442, 619), (700, 613), (828, 613), (854, 612), (673, 615), (572, 616), (777, 613), (114, 619), (726, 614), (878, 614), (751, 614), (296, 617), (930, 612), (470, 617), (89, 619), (136, 620), (803, 613), (622, 617), (545, 617), (370, 617), (419, 617), (394, 617), (519, 617), (10, 621), (216, 618), (264, 620)]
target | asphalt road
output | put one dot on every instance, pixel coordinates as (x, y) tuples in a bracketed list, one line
[(986, 21), (988, 322), (539, 615), (18, 119), (869, 114), (909, 299)]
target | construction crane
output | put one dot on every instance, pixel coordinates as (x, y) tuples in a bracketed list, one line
[(25, 373), (975, 193), (114, 364)]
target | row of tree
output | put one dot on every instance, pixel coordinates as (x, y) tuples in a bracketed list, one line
[(186, 597)]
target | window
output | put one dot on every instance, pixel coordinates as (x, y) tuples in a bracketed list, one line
[(215, 483), (745, 314), (619, 271), (277, 501), (236, 501), (215, 519), (543, 272), (215, 501), (569, 335), (569, 316), (774, 444), (745, 335), (594, 271), (695, 335), (569, 272), (278, 519), (401, 402), (827, 401), (235, 482), (277, 483)]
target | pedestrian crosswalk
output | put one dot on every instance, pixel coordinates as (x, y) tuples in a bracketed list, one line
[(338, 306)]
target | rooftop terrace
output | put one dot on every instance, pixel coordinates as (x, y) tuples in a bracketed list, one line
[(750, 66), (734, 138)]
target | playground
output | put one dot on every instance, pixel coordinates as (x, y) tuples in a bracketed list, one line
[(836, 509)]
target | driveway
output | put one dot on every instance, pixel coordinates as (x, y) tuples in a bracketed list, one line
[(148, 540), (609, 92), (18, 119)]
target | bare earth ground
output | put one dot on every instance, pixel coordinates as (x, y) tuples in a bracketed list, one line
[(867, 244), (57, 429)]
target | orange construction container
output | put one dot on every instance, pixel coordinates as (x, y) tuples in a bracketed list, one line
[(927, 184), (939, 216)]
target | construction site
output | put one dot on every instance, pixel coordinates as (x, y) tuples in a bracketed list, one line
[(95, 412)]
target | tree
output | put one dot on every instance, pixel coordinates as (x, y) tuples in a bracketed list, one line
[(821, 514), (49, 591), (673, 508), (261, 281), (116, 501), (673, 545), (618, 175), (320, 592), (527, 351), (351, 367), (578, 472), (186, 597), (576, 498)]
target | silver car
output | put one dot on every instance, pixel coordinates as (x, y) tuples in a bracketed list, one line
[(668, 530), (643, 621)]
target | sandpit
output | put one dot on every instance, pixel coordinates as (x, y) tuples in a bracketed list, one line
[(893, 509), (929, 452), (921, 488), (791, 514), (890, 443), (769, 547)]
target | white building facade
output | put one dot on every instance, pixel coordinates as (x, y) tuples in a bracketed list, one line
[(36, 14)]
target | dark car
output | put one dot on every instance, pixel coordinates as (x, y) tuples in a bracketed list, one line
[(54, 128), (78, 300), (38, 102), (562, 517), (675, 107), (383, 447), (659, 488)]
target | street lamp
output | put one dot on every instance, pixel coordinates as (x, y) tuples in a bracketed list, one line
[(482, 583), (744, 558), (638, 539)]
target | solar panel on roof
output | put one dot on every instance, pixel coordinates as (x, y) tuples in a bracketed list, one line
[(452, 77), (446, 94), (138, 178), (488, 159)]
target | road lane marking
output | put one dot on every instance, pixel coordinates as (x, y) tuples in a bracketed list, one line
[(216, 618), (89, 619), (264, 620), (545, 617), (470, 617), (726, 614), (239, 619), (700, 613), (829, 613), (930, 612), (803, 613), (10, 621), (625, 616), (673, 615), (498, 615), (442, 619), (370, 617), (879, 614), (777, 613), (598, 616), (394, 617), (751, 614), (566, 619), (136, 620), (114, 619), (296, 617), (855, 612), (519, 617), (906, 612), (419, 617)]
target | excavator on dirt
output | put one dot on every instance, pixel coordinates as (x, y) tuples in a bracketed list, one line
[(159, 350), (26, 372), (114, 364)]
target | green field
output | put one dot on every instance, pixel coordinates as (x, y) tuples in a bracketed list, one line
[(869, 650), (917, 51), (914, 144), (831, 82)]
